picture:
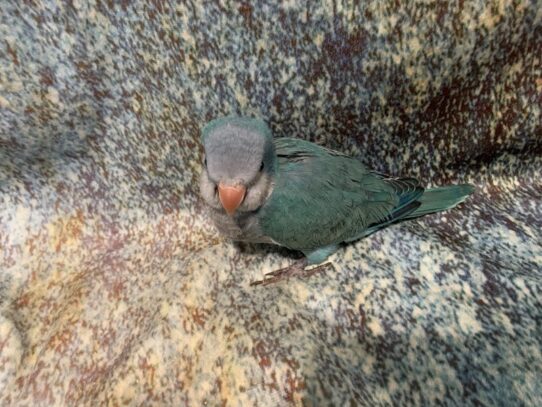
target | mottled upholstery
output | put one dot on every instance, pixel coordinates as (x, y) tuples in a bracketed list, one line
[(116, 289)]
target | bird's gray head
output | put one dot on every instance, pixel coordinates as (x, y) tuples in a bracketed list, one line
[(239, 164)]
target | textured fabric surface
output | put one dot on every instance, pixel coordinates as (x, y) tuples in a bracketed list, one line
[(115, 288)]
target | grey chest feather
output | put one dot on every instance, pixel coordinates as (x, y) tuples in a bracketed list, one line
[(243, 226)]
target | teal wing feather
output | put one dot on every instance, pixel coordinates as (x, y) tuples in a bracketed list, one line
[(322, 197)]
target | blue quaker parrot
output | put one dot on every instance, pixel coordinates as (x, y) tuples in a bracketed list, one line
[(294, 193)]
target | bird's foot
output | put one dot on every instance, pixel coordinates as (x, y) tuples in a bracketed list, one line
[(296, 269)]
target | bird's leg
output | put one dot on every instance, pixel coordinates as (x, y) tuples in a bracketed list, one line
[(297, 269)]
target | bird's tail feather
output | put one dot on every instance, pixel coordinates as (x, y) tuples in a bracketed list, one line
[(440, 199), (432, 200)]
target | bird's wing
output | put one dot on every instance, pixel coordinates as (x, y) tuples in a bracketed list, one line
[(323, 197)]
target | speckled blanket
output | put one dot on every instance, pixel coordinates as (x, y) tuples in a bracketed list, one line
[(114, 287)]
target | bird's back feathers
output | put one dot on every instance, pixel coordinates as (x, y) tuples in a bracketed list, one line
[(322, 197)]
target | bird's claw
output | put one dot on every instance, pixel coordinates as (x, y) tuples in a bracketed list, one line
[(296, 269)]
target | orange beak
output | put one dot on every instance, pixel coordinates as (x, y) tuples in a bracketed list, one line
[(231, 196)]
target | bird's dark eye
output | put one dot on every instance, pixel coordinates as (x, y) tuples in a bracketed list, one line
[(205, 161), (261, 167)]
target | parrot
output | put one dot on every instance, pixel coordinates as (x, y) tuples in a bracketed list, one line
[(300, 195)]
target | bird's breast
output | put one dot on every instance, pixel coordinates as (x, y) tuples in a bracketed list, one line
[(243, 226)]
